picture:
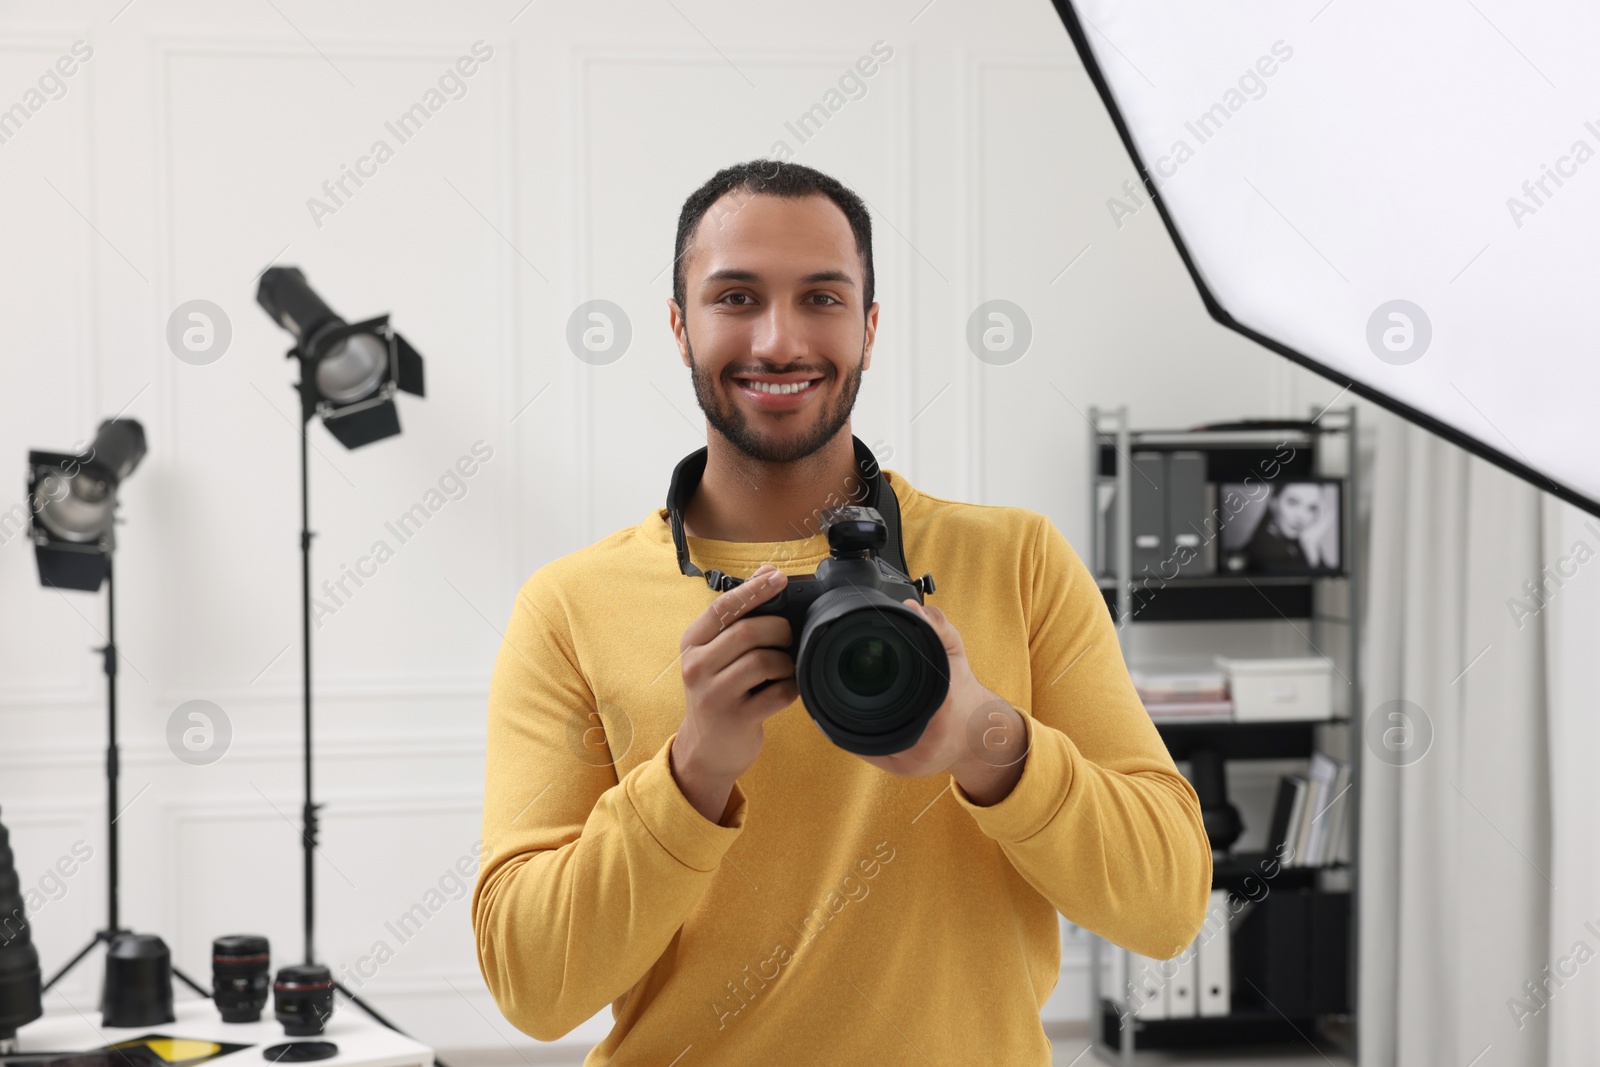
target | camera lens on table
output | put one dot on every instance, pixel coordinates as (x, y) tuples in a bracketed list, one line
[(303, 998), (240, 976)]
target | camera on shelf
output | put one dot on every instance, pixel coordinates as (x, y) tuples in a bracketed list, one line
[(871, 671)]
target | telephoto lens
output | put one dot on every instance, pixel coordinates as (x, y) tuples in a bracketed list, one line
[(303, 998), (240, 982)]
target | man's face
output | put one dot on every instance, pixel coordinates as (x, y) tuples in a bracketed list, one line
[(773, 293)]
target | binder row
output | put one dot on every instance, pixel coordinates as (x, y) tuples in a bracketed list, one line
[(1196, 982)]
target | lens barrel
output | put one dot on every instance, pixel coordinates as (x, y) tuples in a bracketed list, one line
[(240, 976), (871, 672), (303, 998)]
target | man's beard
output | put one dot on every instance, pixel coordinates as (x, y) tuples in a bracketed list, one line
[(730, 421)]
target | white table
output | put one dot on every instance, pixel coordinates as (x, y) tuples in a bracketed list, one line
[(361, 1040)]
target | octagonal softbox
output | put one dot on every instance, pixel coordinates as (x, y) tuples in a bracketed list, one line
[(1404, 198)]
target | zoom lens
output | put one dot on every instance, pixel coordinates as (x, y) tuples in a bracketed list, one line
[(303, 998), (871, 672), (240, 982)]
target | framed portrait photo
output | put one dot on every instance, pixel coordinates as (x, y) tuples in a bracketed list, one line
[(1289, 527)]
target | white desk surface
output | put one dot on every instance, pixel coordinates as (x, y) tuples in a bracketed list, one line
[(362, 1040)]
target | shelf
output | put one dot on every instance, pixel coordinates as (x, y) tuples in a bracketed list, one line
[(1231, 459), (1292, 739), (1324, 447), (1236, 868), (1218, 598), (1247, 1025)]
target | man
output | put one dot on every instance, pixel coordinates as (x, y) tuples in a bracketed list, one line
[(739, 889)]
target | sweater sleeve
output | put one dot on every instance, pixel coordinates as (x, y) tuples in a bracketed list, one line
[(585, 878), (1100, 822)]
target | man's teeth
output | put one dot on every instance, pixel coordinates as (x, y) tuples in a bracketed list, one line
[(769, 387)]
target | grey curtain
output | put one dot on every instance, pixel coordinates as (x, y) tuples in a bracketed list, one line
[(1478, 796)]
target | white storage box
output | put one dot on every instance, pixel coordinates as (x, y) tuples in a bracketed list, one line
[(1279, 688)]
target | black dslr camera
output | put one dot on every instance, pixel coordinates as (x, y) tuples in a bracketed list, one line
[(871, 672)]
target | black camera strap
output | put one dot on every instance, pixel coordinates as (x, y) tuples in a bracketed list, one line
[(880, 495)]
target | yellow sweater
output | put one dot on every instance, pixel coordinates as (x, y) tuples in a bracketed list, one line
[(839, 914)]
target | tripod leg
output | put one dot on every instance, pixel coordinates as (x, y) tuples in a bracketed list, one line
[(370, 1010), (191, 983), (364, 1006), (62, 973)]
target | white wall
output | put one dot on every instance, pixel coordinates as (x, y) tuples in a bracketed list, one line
[(178, 164)]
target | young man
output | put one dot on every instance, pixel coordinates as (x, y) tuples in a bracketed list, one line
[(704, 859)]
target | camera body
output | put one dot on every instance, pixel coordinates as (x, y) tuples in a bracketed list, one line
[(871, 671)]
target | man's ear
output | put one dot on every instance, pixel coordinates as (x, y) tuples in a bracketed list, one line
[(679, 327), (872, 333)]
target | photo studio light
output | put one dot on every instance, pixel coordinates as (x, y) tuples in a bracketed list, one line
[(1410, 214), (73, 500), (349, 373)]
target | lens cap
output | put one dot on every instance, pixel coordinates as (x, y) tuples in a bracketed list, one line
[(300, 1052)]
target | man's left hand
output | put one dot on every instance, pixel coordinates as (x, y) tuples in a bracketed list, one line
[(976, 736)]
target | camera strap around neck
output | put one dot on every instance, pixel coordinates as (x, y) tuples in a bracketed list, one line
[(880, 495)]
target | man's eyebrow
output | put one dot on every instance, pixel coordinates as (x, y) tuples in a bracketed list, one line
[(732, 274), (829, 276), (736, 274)]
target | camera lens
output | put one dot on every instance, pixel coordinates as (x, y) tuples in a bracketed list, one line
[(868, 666), (864, 671), (239, 982), (871, 672), (303, 998)]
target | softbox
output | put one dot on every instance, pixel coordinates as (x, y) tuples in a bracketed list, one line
[(1404, 198)]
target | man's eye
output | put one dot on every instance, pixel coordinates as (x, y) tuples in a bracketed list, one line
[(731, 296), (830, 298)]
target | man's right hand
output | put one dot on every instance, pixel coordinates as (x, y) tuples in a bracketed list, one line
[(725, 655)]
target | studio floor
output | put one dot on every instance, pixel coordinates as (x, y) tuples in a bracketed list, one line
[(1069, 1041)]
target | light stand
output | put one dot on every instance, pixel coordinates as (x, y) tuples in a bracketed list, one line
[(73, 498), (349, 376)]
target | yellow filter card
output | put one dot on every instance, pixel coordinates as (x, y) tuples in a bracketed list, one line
[(180, 1051)]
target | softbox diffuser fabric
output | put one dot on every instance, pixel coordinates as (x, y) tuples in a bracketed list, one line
[(1402, 197)]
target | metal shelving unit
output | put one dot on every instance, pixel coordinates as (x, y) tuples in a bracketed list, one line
[(1231, 598)]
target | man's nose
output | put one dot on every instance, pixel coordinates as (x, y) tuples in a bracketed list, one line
[(779, 336)]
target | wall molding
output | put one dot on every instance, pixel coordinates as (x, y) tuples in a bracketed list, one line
[(163, 51), (86, 362), (277, 748)]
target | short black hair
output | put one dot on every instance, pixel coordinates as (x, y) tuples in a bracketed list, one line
[(772, 178)]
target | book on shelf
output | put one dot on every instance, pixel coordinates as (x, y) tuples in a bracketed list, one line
[(1337, 849), (1178, 678), (1209, 710), (1309, 815), (1325, 798), (1182, 687), (1311, 820), (1283, 833)]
